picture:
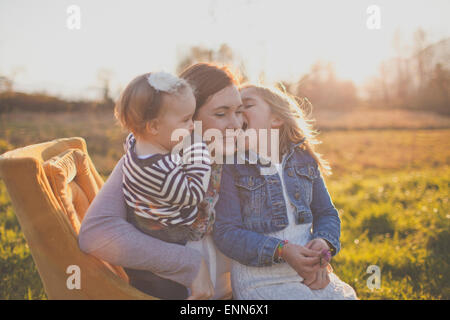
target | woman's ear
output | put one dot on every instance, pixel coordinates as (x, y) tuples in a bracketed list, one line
[(152, 126)]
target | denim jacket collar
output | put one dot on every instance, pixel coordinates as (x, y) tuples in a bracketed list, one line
[(246, 157), (292, 147)]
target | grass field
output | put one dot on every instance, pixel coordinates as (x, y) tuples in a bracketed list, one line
[(390, 184)]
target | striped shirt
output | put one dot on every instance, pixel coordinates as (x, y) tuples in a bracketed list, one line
[(166, 188)]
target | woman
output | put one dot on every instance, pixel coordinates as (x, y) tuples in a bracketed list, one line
[(105, 233), (263, 221)]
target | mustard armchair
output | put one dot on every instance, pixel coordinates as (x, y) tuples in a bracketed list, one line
[(51, 186)]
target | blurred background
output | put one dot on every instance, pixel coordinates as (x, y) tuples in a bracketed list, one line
[(378, 79)]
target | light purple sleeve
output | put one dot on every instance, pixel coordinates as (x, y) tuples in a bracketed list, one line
[(106, 234)]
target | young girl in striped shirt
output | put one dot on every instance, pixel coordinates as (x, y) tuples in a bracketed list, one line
[(162, 187)]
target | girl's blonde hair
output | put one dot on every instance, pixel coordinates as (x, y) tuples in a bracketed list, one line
[(295, 124)]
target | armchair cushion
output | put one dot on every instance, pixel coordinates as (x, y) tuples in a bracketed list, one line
[(72, 183)]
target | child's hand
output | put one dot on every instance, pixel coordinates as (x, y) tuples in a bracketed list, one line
[(321, 245), (303, 260), (320, 281), (318, 244), (310, 278)]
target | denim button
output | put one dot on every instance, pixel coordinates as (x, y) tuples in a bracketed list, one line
[(290, 174), (301, 219), (297, 195)]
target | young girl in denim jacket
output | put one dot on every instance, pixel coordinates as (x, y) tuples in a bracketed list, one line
[(278, 228)]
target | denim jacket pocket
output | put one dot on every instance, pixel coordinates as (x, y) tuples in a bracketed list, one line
[(252, 194), (305, 176)]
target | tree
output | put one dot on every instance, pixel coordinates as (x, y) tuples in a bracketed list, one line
[(104, 78), (322, 87), (421, 55), (222, 56), (438, 90), (6, 84)]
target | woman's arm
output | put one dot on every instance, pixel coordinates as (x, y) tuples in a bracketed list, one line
[(106, 234), (245, 246)]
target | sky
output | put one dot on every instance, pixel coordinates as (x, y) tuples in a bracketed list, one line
[(283, 38)]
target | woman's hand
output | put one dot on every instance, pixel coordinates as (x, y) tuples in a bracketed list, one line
[(303, 260), (202, 287)]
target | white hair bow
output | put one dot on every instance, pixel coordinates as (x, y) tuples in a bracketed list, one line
[(163, 81)]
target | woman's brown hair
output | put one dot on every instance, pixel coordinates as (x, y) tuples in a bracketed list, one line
[(207, 79)]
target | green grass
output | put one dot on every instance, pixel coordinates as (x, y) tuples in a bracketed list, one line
[(391, 188), (19, 278), (399, 222)]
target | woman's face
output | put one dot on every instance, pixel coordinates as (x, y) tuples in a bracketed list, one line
[(222, 111)]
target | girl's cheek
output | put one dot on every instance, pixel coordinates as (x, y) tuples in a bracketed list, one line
[(249, 119), (247, 115)]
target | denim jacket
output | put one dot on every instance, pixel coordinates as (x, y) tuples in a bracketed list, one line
[(252, 205)]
